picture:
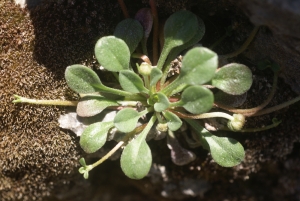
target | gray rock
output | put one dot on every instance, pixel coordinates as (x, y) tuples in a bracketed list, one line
[(283, 45)]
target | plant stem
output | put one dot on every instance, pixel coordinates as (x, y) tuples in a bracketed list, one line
[(203, 116), (143, 130), (248, 130), (127, 95), (124, 9), (20, 99), (275, 108), (155, 31), (255, 109), (218, 42), (119, 145), (244, 46)]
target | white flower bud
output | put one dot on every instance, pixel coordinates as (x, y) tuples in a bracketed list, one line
[(145, 69), (237, 123)]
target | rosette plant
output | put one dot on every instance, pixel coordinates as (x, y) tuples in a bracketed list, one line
[(144, 91), (150, 98)]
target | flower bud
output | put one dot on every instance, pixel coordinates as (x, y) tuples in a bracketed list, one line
[(162, 127), (237, 123), (145, 69)]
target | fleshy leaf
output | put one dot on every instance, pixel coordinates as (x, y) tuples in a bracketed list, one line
[(91, 105), (131, 82), (179, 28), (198, 66), (94, 136), (126, 120), (81, 79), (233, 79), (176, 51), (173, 121), (155, 75), (227, 152), (112, 53), (197, 99), (82, 162), (162, 102), (136, 159), (131, 31)]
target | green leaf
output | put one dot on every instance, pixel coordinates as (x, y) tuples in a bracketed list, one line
[(162, 102), (94, 136), (126, 120), (136, 159), (176, 51), (227, 152), (179, 28), (82, 162), (173, 121), (81, 79), (197, 99), (131, 31), (131, 82), (198, 66), (155, 75), (112, 53), (91, 105), (233, 79)]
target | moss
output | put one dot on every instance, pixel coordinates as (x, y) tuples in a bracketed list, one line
[(36, 156)]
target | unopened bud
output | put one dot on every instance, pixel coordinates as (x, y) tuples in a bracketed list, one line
[(237, 123), (145, 69)]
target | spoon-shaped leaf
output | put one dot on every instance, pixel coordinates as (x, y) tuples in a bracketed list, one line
[(91, 105), (173, 121), (131, 31), (179, 28), (131, 82), (233, 79), (227, 152), (127, 118), (155, 75), (81, 79), (162, 102), (94, 136), (176, 51), (136, 158), (197, 99), (112, 53), (198, 66)]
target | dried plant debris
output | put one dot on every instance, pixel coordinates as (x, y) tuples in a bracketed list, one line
[(36, 156)]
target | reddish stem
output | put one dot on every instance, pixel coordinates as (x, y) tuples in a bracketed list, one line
[(155, 31), (124, 8)]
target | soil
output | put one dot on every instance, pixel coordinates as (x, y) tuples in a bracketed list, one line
[(39, 161)]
